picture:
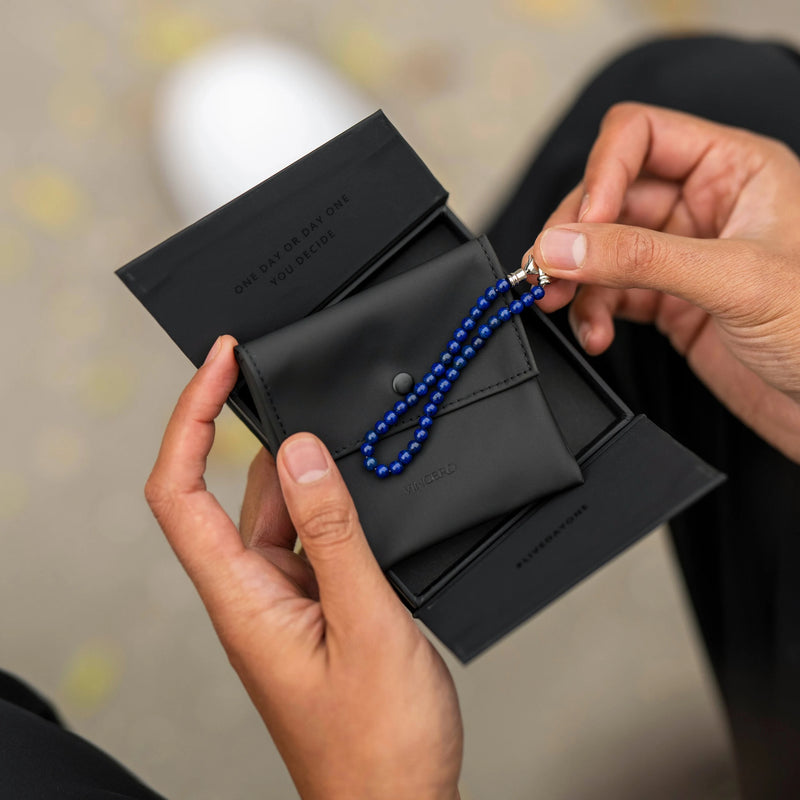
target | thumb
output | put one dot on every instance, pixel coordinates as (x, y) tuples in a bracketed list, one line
[(351, 584), (709, 273)]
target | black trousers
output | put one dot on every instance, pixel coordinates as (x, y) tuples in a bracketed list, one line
[(739, 548)]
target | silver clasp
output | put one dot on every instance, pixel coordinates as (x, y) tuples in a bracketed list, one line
[(523, 273)]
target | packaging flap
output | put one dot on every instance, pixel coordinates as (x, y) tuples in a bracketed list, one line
[(640, 479), (279, 251)]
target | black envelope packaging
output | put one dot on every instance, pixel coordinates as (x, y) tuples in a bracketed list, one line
[(344, 275)]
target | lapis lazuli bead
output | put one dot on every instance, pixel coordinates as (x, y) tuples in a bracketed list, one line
[(425, 422), (467, 323), (482, 303), (515, 307), (538, 293), (390, 418), (400, 407), (445, 386), (414, 447), (421, 389), (469, 352), (437, 398), (453, 346), (527, 299), (412, 399), (438, 369), (504, 315), (453, 375), (404, 457), (502, 286), (382, 471), (370, 463), (371, 437), (459, 362), (460, 335), (484, 331), (475, 312), (396, 467), (381, 427), (490, 294), (493, 322), (429, 379), (367, 449), (420, 434), (431, 409), (446, 358), (477, 343)]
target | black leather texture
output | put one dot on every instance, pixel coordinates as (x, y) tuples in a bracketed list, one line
[(494, 445)]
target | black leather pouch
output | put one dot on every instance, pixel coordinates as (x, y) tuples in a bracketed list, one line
[(494, 445)]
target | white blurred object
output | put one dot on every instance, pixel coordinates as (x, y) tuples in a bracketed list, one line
[(241, 111)]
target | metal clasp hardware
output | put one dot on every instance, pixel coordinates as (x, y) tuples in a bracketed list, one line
[(531, 268)]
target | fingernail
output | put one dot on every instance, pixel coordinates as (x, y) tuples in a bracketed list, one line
[(584, 332), (214, 351), (563, 248), (584, 208), (305, 460)]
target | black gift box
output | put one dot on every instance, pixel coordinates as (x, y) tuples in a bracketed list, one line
[(353, 213)]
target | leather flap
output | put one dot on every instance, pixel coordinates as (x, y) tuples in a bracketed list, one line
[(332, 373)]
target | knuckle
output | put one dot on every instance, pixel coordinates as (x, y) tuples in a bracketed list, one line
[(780, 150), (619, 113), (328, 522), (157, 495), (153, 491), (634, 248)]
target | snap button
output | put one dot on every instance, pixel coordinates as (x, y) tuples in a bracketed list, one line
[(402, 383)]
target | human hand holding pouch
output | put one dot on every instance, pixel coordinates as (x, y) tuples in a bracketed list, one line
[(494, 446)]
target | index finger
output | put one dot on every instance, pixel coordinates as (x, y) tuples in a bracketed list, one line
[(636, 138), (195, 524)]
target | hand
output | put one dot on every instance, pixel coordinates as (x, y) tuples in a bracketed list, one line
[(358, 702), (694, 227)]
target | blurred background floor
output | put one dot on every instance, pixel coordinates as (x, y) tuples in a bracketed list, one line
[(604, 695)]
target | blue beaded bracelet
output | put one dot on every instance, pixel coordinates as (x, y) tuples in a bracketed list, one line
[(458, 353)]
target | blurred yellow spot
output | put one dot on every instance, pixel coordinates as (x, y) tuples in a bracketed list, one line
[(166, 35), (75, 315), (75, 105), (59, 452), (14, 495), (80, 47), (106, 387), (49, 198), (555, 10), (363, 55), (15, 254), (234, 445), (428, 69), (676, 13), (91, 676)]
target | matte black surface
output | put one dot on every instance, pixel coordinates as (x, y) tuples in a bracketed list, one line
[(494, 445), (287, 244), (569, 537), (40, 760)]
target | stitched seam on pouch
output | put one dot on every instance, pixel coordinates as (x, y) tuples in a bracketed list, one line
[(254, 364)]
